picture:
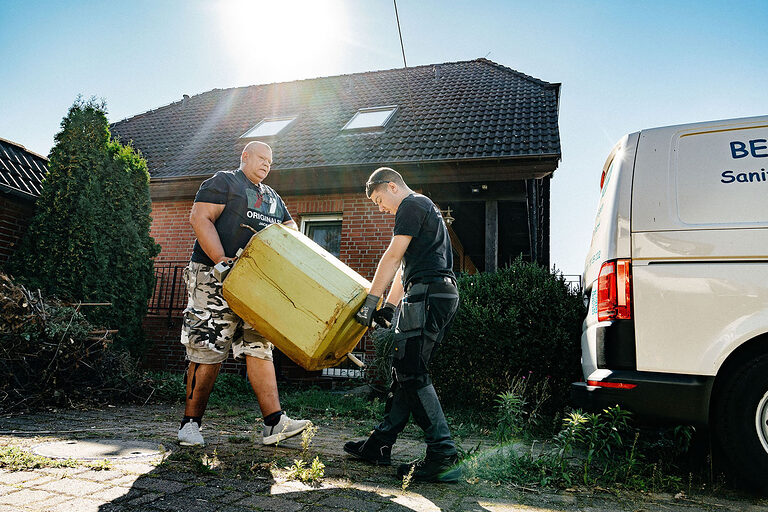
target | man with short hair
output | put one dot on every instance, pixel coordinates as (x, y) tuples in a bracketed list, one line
[(427, 286), (210, 328)]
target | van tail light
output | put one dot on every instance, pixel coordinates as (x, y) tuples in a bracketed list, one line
[(614, 385), (602, 180), (614, 291)]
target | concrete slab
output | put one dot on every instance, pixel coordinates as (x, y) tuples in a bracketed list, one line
[(18, 477), (47, 504), (24, 497), (72, 486), (79, 504)]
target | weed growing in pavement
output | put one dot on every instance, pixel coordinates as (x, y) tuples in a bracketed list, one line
[(309, 474), (519, 410), (208, 464), (15, 459), (101, 465), (510, 413), (301, 470), (408, 477), (375, 408), (306, 437)]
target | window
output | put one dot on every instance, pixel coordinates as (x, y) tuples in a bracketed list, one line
[(325, 230), (371, 118), (268, 128)]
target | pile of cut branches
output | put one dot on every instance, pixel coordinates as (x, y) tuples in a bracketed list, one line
[(50, 354)]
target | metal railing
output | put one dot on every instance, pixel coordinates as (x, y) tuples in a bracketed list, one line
[(573, 282), (170, 293)]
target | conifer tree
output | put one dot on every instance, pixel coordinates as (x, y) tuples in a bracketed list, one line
[(89, 239)]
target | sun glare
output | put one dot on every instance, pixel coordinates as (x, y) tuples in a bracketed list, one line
[(282, 40)]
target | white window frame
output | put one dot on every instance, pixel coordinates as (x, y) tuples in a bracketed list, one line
[(309, 218), (361, 111), (346, 373), (264, 121)]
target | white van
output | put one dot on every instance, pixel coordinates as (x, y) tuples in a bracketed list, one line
[(677, 280)]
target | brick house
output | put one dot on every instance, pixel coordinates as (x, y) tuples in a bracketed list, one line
[(21, 175), (479, 138)]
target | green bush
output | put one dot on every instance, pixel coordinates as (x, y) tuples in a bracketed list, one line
[(89, 239), (521, 321)]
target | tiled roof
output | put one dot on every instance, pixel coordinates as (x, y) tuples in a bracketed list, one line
[(454, 111), (21, 171)]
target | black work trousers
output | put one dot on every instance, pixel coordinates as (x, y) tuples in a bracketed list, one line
[(424, 317)]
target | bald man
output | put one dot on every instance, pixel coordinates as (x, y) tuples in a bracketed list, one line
[(210, 328)]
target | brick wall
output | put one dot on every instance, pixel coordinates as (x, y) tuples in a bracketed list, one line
[(171, 229), (365, 232), (15, 216), (365, 235)]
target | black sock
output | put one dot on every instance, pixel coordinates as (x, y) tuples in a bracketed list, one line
[(273, 419), (187, 419)]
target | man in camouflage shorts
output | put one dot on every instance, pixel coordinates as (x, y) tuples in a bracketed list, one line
[(210, 328), (222, 205)]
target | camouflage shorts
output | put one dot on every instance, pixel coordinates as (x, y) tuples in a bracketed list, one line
[(210, 328)]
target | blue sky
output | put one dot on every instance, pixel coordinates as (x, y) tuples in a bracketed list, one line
[(624, 66)]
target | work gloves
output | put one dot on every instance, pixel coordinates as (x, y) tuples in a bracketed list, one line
[(384, 316), (368, 313), (364, 315)]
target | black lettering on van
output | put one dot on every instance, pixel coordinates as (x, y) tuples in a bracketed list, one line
[(738, 149), (757, 148), (744, 177), (754, 148)]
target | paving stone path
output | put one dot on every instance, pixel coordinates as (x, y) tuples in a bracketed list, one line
[(233, 473)]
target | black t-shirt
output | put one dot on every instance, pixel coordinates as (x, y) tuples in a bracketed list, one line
[(257, 206), (429, 254)]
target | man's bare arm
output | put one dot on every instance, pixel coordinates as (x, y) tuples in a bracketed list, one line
[(396, 292), (389, 264), (202, 218)]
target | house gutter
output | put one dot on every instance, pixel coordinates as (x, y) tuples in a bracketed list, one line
[(18, 193), (420, 163), (348, 176)]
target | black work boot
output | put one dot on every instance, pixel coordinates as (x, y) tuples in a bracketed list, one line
[(433, 468), (370, 451)]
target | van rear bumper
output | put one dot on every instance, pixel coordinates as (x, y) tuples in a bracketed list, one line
[(657, 397)]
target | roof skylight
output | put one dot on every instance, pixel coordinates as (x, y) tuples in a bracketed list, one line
[(268, 128), (371, 118)]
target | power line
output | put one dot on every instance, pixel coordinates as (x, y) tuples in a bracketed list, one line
[(405, 64)]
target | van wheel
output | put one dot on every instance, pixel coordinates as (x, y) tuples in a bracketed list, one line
[(741, 422)]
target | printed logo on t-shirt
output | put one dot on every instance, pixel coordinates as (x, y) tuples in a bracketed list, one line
[(263, 203)]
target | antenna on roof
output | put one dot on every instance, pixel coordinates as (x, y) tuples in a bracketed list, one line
[(405, 64), (487, 54)]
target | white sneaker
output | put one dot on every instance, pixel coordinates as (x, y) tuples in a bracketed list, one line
[(285, 428), (189, 434)]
